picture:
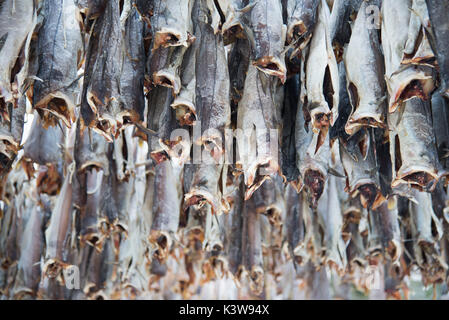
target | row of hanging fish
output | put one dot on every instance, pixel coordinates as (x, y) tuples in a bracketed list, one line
[(226, 149)]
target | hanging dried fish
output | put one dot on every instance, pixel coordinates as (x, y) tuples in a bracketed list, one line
[(301, 19), (17, 22), (252, 248), (295, 226), (322, 81), (412, 146), (259, 121), (267, 34), (331, 220), (437, 14), (403, 81), (170, 23), (361, 170), (59, 54), (100, 100), (364, 72), (133, 66), (166, 208), (212, 84), (57, 234), (427, 230)]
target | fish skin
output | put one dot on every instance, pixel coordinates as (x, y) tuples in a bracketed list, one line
[(59, 53), (92, 8), (267, 33), (45, 145), (365, 81), (301, 19), (252, 247), (439, 25), (238, 63), (403, 81), (133, 65), (440, 120), (234, 223), (13, 14), (295, 225), (322, 102), (91, 150), (419, 165), (340, 29), (170, 23), (32, 244), (290, 109), (100, 100)]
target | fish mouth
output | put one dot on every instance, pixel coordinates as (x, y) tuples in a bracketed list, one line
[(300, 254), (411, 86), (93, 239), (394, 250), (163, 242), (167, 79), (420, 177), (256, 276), (8, 147), (24, 294), (363, 120), (168, 38), (48, 180), (255, 179), (352, 214), (59, 105), (298, 32), (370, 194), (314, 181), (199, 197), (272, 66), (185, 112), (232, 31)]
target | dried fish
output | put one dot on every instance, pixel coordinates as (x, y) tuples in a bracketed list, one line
[(322, 81), (364, 71), (403, 81), (101, 104), (295, 226), (166, 208), (427, 230), (252, 248), (267, 34), (259, 121), (17, 22), (438, 21), (301, 18), (170, 23), (59, 52), (361, 171), (133, 65), (412, 146)]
